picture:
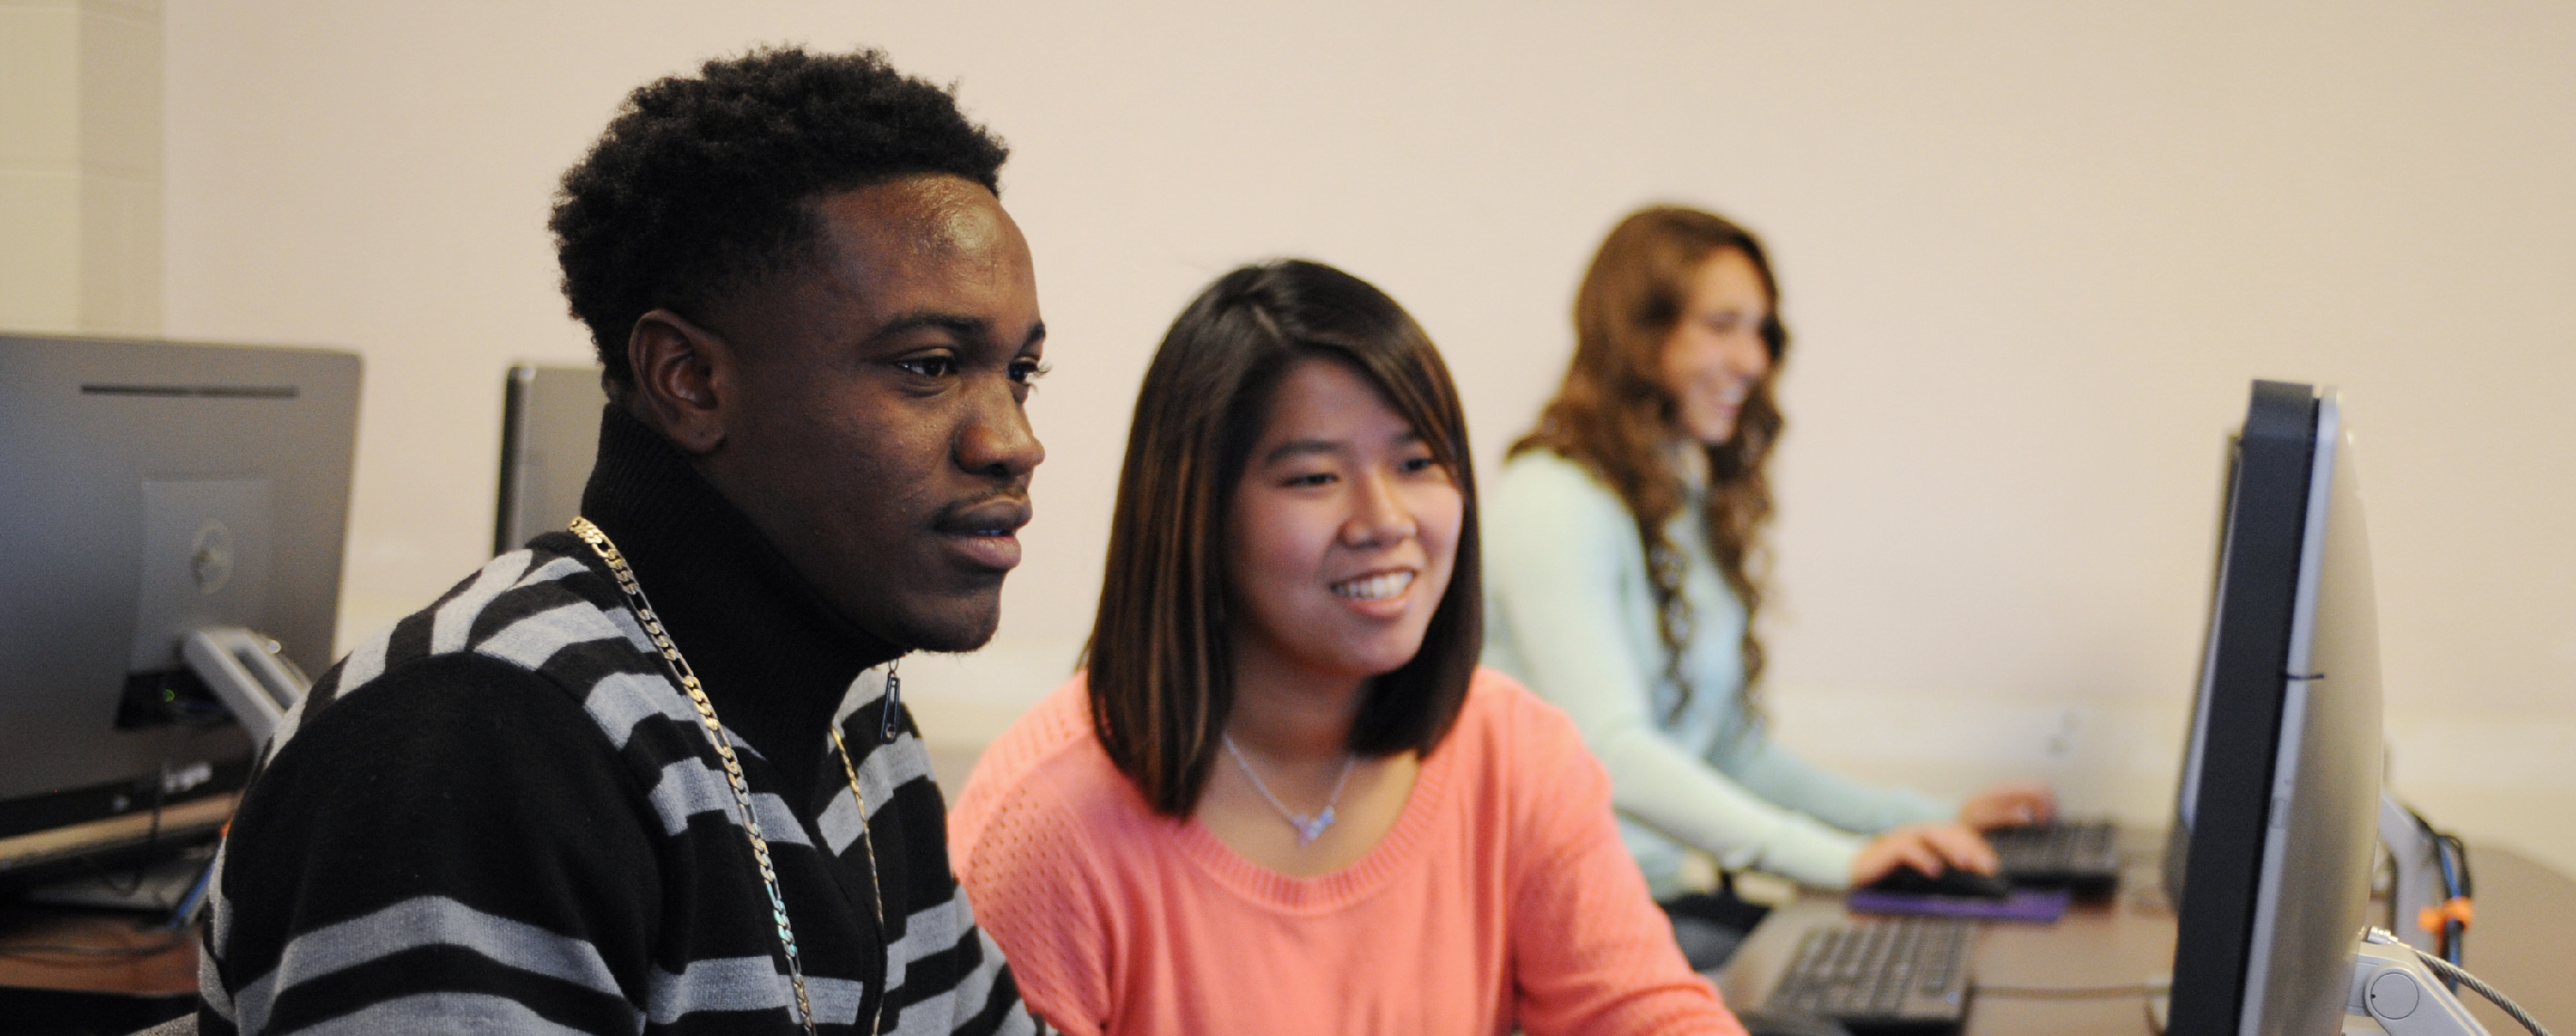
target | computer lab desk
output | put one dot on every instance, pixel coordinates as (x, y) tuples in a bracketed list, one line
[(2523, 943)]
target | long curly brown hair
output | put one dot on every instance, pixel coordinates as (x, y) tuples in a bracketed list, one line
[(1615, 416)]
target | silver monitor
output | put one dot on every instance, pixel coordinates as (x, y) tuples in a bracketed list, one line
[(149, 490), (2278, 814), (549, 438)]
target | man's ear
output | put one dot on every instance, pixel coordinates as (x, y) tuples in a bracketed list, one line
[(683, 380)]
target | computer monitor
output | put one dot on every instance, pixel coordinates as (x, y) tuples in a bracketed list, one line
[(549, 439), (147, 490), (2276, 820)]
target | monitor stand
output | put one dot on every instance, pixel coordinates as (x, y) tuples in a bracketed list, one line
[(2417, 886), (248, 673), (2394, 993)]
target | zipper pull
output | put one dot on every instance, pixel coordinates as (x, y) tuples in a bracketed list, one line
[(891, 706)]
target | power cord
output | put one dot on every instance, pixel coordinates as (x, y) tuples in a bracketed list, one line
[(2454, 855), (151, 836), (2448, 970), (2448, 923)]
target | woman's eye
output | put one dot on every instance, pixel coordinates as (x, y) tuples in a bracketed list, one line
[(1028, 371), (1417, 465), (928, 366), (1311, 478)]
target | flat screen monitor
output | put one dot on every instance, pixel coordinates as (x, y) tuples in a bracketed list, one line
[(148, 489), (2277, 819), (549, 439)]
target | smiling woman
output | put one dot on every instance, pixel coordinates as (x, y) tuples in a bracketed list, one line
[(1625, 589), (1283, 798), (1206, 451)]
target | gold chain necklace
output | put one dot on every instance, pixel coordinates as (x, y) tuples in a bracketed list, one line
[(723, 742)]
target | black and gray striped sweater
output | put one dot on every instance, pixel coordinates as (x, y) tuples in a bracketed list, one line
[(502, 816)]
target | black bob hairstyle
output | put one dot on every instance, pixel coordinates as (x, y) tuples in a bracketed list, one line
[(703, 186), (1161, 667)]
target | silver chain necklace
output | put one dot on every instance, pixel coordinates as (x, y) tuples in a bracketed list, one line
[(723, 742), (1308, 828)]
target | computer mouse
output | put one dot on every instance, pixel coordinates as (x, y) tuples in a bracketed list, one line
[(1956, 882), (1788, 1023)]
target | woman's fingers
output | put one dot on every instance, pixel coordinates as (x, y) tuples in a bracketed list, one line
[(1928, 848), (1961, 847), (2006, 805)]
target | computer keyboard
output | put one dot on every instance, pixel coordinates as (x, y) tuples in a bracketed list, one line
[(2080, 856), (1906, 975)]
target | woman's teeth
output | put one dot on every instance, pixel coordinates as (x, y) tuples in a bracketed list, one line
[(1374, 588)]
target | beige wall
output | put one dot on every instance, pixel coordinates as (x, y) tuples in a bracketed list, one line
[(80, 166), (2032, 252)]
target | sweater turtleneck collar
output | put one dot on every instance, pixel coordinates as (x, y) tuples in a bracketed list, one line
[(774, 657)]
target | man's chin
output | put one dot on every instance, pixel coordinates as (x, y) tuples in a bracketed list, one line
[(966, 627)]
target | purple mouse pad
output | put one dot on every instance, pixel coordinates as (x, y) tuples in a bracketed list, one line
[(2028, 906)]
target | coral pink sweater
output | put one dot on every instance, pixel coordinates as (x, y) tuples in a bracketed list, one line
[(1500, 897)]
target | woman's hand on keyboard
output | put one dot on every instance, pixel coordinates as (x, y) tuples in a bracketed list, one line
[(2009, 805), (1929, 848)]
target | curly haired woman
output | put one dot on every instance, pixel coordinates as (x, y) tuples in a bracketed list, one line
[(1620, 583)]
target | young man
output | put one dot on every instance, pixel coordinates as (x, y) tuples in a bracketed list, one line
[(652, 774)]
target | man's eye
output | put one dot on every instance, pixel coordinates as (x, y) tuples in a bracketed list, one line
[(1027, 372), (928, 366)]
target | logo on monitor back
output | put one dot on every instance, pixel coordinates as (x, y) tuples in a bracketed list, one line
[(210, 557)]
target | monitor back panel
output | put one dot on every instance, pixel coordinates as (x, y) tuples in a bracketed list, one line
[(146, 487), (549, 439)]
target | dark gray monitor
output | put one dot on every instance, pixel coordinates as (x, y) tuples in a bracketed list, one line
[(549, 438), (2277, 819), (148, 489)]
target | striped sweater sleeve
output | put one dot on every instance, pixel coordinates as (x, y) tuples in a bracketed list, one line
[(456, 849), (502, 815)]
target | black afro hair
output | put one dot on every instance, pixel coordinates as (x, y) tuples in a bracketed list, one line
[(703, 185)]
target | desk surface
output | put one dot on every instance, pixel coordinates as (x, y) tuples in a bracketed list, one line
[(2520, 945), (118, 953)]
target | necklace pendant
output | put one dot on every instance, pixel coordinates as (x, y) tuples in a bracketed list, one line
[(1308, 828), (1311, 828)]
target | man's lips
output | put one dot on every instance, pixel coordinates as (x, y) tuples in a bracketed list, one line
[(983, 534), (989, 518)]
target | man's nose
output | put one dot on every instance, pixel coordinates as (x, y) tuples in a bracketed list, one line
[(997, 440)]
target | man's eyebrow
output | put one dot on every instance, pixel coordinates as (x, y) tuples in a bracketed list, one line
[(956, 323)]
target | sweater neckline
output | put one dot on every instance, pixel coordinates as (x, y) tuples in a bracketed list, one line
[(775, 658), (1332, 890)]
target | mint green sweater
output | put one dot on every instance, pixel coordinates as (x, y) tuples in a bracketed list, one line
[(1569, 611)]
